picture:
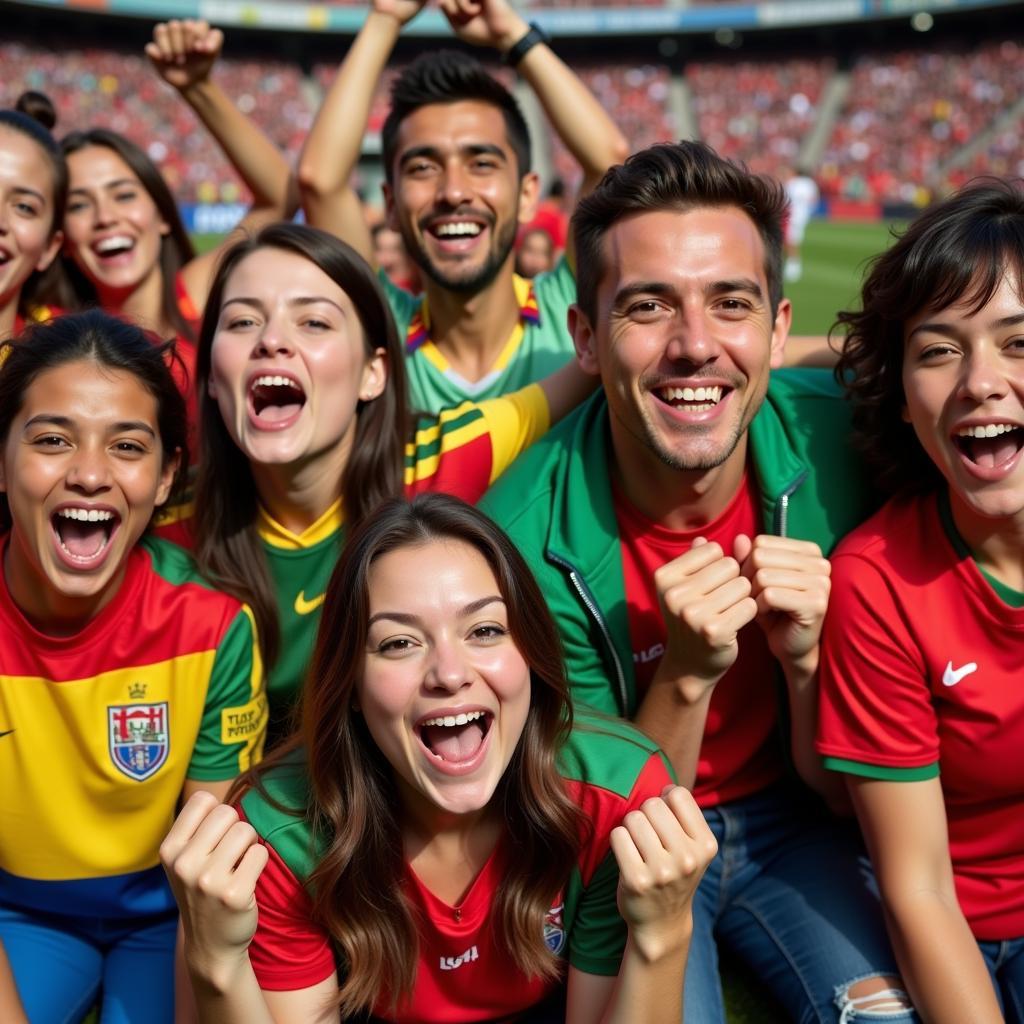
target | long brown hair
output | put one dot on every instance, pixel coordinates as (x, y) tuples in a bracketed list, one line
[(175, 247), (228, 548), (356, 886)]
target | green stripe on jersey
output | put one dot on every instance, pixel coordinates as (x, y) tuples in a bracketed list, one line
[(174, 564), (596, 754), (887, 774), (446, 426)]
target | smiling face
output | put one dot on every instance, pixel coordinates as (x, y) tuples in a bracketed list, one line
[(456, 195), (112, 226), (685, 336), (445, 692), (963, 381), (289, 360), (27, 239), (83, 469)]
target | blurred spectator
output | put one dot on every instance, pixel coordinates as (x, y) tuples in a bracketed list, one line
[(391, 256), (535, 253)]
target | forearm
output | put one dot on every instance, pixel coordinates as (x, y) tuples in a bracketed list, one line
[(649, 989), (259, 163), (227, 994), (332, 148), (673, 714), (940, 961)]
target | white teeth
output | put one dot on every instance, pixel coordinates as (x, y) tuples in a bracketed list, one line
[(86, 515), (459, 228), (117, 242), (712, 395), (988, 430), (274, 382), (452, 720)]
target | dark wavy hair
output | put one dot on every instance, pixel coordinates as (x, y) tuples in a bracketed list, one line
[(228, 548), (34, 116), (175, 247), (448, 76), (109, 342), (677, 176), (354, 804), (957, 251)]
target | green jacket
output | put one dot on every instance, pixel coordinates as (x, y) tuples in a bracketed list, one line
[(555, 502)]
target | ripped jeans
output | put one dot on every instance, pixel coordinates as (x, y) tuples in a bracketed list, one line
[(791, 894)]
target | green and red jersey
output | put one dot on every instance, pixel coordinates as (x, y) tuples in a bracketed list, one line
[(740, 752), (539, 344), (463, 974), (100, 730), (921, 675)]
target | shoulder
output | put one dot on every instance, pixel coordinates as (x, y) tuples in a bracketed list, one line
[(606, 753), (890, 539), (403, 304), (556, 287)]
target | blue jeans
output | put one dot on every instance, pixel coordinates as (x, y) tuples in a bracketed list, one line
[(1005, 963), (61, 961), (791, 894)]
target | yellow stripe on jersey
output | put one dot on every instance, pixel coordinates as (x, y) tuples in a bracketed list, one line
[(107, 824), (441, 438), (278, 536), (248, 722), (515, 421)]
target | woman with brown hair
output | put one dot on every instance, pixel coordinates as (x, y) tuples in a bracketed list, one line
[(441, 835), (306, 430)]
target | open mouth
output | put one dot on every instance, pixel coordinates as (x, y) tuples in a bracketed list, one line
[(694, 400), (456, 234), (5, 257), (276, 399), (455, 739), (84, 534), (116, 245), (991, 445)]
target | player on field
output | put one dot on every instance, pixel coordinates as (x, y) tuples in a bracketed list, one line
[(458, 184), (306, 430), (676, 522), (922, 700), (441, 827), (33, 183), (126, 682)]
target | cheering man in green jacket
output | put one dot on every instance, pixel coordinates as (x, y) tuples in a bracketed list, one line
[(677, 523)]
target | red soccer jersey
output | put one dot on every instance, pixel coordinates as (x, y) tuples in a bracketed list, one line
[(463, 975), (739, 753), (921, 673)]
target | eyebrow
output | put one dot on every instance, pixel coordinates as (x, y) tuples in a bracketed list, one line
[(739, 284), (24, 190), (412, 620), (470, 149), (117, 183), (302, 300), (950, 330), (65, 421)]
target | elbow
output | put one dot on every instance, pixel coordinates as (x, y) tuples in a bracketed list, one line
[(618, 149), (312, 182)]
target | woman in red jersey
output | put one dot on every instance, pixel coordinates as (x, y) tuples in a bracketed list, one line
[(442, 843), (306, 430), (33, 184), (126, 681), (922, 704)]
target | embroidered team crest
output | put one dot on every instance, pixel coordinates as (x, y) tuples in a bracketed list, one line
[(139, 738), (554, 930)]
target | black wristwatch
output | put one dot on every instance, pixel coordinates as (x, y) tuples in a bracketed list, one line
[(518, 51)]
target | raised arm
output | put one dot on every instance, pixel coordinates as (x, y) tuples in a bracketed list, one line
[(332, 148), (904, 826), (581, 122), (183, 54)]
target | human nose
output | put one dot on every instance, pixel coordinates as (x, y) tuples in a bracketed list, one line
[(454, 184), (103, 211), (981, 378), (449, 669), (273, 339), (88, 471), (691, 339)]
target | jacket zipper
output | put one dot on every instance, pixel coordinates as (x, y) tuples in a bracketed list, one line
[(591, 605), (782, 506)]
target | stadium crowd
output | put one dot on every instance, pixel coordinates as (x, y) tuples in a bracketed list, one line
[(512, 644)]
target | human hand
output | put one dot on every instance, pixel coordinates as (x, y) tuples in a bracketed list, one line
[(403, 11), (789, 581), (705, 602), (184, 52), (662, 851), (493, 23), (213, 860)]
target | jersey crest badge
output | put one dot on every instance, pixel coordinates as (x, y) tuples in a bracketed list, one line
[(554, 929), (138, 738)]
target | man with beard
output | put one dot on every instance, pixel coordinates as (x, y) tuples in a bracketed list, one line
[(676, 523), (456, 153)]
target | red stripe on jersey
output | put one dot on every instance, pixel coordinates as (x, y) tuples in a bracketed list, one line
[(464, 472)]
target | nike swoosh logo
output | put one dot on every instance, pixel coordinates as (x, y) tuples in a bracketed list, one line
[(304, 607), (952, 676), (6, 732)]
